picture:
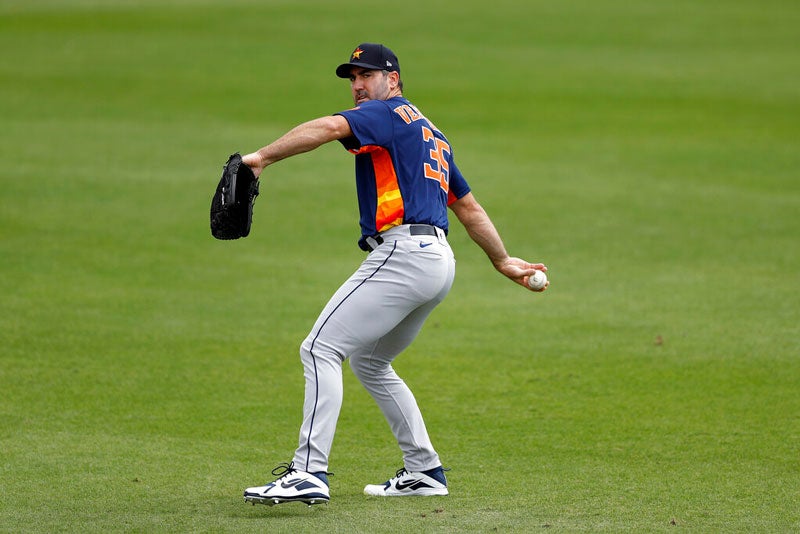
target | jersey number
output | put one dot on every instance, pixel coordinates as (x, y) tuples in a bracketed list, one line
[(437, 168)]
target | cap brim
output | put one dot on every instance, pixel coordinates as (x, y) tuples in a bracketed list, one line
[(343, 70)]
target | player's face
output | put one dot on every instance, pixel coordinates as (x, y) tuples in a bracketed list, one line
[(367, 84)]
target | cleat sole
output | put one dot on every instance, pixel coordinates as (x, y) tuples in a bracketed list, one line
[(272, 501)]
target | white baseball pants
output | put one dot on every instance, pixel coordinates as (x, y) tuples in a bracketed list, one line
[(371, 319)]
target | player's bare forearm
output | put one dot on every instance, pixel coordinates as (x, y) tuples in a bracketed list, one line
[(483, 232), (480, 228), (302, 138)]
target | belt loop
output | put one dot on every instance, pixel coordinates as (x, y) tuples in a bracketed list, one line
[(374, 241)]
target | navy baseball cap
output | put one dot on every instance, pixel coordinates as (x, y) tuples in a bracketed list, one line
[(369, 56)]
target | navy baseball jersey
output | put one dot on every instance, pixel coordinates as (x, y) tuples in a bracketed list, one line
[(405, 173)]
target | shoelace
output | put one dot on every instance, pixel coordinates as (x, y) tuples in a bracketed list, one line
[(285, 469)]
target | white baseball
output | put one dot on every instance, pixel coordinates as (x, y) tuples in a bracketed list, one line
[(537, 280)]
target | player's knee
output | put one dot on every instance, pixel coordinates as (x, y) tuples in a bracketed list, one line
[(366, 368), (359, 367), (318, 349)]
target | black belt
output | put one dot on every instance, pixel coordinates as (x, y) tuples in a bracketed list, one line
[(422, 229), (413, 229)]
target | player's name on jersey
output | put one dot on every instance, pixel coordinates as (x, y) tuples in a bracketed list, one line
[(408, 113)]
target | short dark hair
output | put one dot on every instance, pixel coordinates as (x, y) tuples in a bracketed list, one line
[(399, 79)]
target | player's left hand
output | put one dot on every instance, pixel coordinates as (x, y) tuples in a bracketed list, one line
[(519, 270)]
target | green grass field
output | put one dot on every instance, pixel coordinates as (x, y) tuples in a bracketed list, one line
[(648, 152)]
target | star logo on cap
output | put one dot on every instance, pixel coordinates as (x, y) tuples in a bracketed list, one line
[(357, 53)]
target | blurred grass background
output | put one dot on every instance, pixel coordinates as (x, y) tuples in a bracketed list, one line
[(648, 153)]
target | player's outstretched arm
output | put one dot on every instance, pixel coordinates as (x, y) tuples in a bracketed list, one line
[(302, 138), (481, 229)]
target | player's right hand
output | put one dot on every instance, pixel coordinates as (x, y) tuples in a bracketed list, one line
[(519, 270)]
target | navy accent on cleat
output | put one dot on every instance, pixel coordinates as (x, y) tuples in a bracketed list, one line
[(409, 483), (292, 485)]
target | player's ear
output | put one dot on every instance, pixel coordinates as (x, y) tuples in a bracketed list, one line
[(394, 79)]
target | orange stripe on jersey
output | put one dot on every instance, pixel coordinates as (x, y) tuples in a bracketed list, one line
[(451, 197), (390, 209)]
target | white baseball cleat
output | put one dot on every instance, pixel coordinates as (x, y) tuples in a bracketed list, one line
[(407, 484), (291, 486)]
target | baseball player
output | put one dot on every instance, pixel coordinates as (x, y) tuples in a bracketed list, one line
[(406, 178)]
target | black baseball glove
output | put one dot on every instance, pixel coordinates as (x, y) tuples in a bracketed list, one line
[(232, 204)]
